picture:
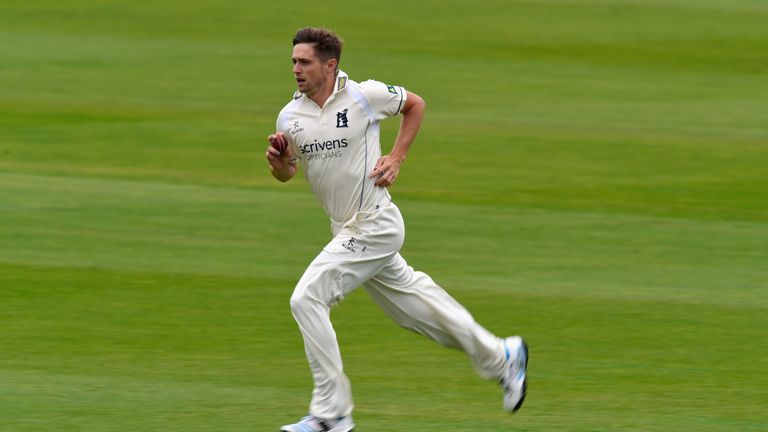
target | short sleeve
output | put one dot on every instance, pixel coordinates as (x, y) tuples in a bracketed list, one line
[(285, 126), (385, 100)]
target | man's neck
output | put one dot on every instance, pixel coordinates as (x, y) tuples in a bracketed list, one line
[(321, 96)]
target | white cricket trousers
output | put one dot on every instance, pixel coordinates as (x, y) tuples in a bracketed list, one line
[(364, 251)]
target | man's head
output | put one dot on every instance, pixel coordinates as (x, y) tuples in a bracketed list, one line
[(316, 55)]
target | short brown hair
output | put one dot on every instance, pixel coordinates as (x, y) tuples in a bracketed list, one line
[(326, 43)]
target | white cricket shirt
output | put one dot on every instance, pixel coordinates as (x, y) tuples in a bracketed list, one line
[(337, 146)]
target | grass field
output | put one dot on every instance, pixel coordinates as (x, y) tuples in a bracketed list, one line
[(590, 174)]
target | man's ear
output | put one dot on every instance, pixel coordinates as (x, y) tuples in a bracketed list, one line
[(333, 64)]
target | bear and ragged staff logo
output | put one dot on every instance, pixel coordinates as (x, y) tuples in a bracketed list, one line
[(341, 119)]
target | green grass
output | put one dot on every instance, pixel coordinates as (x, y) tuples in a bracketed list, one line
[(591, 174)]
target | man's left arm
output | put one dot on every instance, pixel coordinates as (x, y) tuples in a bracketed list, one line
[(388, 166)]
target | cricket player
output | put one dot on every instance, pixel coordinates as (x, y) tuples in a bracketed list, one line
[(330, 129)]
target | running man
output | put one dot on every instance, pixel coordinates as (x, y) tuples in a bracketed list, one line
[(331, 130)]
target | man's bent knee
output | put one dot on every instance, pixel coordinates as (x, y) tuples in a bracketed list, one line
[(303, 304), (300, 303)]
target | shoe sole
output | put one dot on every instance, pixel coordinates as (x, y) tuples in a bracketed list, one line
[(525, 381), (351, 430)]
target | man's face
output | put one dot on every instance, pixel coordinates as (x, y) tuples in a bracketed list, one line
[(311, 73)]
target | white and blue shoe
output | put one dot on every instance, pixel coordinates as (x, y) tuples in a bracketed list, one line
[(311, 423), (514, 380)]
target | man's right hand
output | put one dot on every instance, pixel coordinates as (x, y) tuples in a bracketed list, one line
[(279, 157)]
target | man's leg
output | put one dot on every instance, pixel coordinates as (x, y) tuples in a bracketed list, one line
[(324, 284), (358, 251), (414, 301)]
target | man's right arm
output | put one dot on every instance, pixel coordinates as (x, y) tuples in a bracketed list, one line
[(280, 157)]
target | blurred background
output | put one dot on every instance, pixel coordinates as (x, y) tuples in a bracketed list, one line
[(590, 174)]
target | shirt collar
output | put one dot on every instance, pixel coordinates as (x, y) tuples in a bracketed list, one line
[(340, 84), (341, 81)]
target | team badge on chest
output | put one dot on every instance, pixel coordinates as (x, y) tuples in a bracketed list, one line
[(341, 119)]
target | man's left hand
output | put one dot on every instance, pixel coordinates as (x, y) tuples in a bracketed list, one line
[(387, 169)]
